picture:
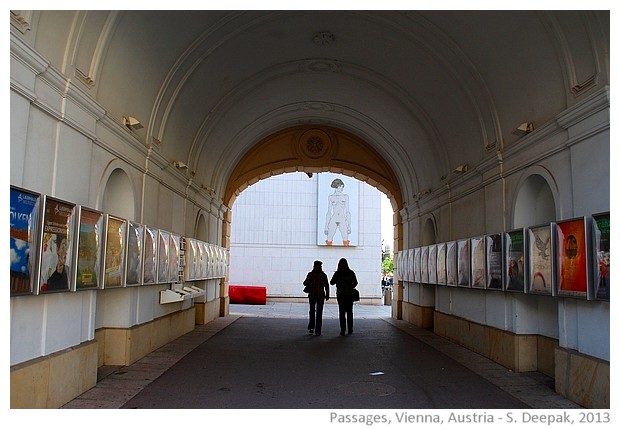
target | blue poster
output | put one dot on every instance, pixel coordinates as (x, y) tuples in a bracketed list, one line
[(23, 214)]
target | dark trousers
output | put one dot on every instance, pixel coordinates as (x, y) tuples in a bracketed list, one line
[(315, 314), (345, 313)]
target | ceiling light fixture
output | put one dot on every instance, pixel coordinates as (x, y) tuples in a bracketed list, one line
[(132, 123), (461, 168), (524, 128)]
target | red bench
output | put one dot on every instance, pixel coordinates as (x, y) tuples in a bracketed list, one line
[(247, 294)]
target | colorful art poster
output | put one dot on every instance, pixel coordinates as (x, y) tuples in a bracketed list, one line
[(211, 256), (90, 242), (572, 258), (338, 210), (441, 264), (495, 258), (163, 257), (23, 233), (451, 264), (432, 264), (135, 238), (417, 265), (478, 263), (55, 274), (424, 259), (114, 262), (463, 264), (540, 257), (149, 264), (601, 244), (174, 257), (515, 261)]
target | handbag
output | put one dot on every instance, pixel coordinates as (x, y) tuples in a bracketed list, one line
[(356, 295), (307, 289)]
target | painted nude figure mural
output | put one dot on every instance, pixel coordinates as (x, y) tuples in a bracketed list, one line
[(338, 216)]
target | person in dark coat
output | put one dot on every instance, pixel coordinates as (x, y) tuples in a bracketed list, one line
[(317, 286), (345, 280)]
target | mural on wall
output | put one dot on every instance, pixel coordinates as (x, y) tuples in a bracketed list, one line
[(23, 232), (89, 250), (601, 246), (338, 206), (56, 246), (514, 265), (540, 252), (573, 263)]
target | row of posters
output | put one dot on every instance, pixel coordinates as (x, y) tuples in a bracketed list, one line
[(57, 246), (567, 258)]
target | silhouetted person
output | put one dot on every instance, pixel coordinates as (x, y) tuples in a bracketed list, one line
[(318, 292), (345, 280)]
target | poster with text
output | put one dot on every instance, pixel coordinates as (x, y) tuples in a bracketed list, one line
[(573, 258), (514, 264), (89, 249), (23, 238), (175, 244), (601, 245), (478, 263), (424, 260), (149, 264), (338, 210), (432, 264), (463, 264), (417, 265), (495, 259), (451, 264), (409, 265), (56, 253), (135, 238), (163, 257), (441, 264), (541, 260), (115, 246)]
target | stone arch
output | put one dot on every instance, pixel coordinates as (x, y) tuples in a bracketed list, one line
[(535, 201), (429, 232), (117, 195)]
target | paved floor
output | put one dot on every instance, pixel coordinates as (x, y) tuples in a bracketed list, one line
[(261, 357)]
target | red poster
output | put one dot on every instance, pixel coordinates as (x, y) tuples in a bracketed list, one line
[(572, 258)]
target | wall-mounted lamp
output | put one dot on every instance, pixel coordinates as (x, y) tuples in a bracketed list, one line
[(180, 165), (524, 128), (461, 168), (132, 123)]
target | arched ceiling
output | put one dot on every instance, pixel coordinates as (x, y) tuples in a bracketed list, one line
[(428, 90)]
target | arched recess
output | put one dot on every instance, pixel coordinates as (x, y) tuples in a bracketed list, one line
[(201, 232), (118, 196), (315, 149), (534, 203), (429, 233)]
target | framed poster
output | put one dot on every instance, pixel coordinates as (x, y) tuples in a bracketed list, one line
[(441, 264), (424, 260), (163, 256), (211, 261), (495, 259), (338, 210), (432, 264), (400, 264), (573, 258), (463, 263), (135, 254), (149, 263), (514, 260), (601, 241), (451, 264), (417, 265), (115, 249), (409, 262), (478, 262), (24, 223), (89, 249), (541, 259), (192, 259), (175, 247), (57, 241)]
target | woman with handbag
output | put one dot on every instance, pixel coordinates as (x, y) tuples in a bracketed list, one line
[(317, 288), (345, 280)]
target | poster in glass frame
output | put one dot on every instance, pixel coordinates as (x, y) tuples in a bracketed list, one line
[(175, 245), (89, 249), (541, 259), (463, 262), (163, 256), (224, 262), (573, 258), (192, 259), (114, 252), (135, 254), (409, 265), (514, 260), (210, 261), (417, 265), (424, 261), (400, 264), (451, 264), (432, 264), (441, 264), (149, 256), (495, 261), (601, 240), (57, 246), (25, 215), (478, 262)]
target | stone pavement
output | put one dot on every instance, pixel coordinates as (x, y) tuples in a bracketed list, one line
[(260, 357)]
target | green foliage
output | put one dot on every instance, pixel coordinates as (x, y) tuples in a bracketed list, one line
[(387, 265)]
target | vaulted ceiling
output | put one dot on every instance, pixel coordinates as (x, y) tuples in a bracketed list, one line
[(428, 90)]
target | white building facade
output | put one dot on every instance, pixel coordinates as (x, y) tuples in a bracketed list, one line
[(279, 230)]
